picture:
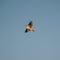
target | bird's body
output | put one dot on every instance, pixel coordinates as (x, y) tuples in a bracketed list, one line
[(29, 27)]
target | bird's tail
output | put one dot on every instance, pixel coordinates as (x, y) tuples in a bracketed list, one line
[(33, 30)]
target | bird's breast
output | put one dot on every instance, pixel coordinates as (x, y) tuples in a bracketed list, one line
[(27, 27)]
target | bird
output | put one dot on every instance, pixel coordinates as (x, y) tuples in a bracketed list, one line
[(29, 27)]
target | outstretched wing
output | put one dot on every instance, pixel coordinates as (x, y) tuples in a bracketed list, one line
[(27, 30), (30, 24)]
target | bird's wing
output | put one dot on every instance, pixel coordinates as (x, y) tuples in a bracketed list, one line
[(30, 24), (27, 30)]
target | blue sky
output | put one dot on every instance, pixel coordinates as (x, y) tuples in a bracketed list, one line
[(43, 44)]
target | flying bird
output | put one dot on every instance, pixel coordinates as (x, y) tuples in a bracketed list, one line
[(29, 27)]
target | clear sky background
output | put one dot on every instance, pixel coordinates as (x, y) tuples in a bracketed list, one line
[(43, 44)]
